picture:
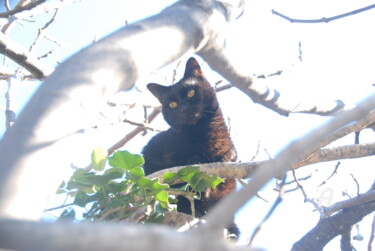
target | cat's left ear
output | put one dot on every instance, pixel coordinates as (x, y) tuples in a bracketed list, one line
[(157, 90), (193, 69)]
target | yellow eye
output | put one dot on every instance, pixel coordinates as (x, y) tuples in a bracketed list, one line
[(191, 93), (173, 104)]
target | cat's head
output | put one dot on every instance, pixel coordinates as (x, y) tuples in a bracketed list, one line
[(189, 101)]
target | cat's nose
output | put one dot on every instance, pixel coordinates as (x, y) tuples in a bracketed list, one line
[(184, 108)]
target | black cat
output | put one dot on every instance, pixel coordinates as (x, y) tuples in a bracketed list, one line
[(198, 134)]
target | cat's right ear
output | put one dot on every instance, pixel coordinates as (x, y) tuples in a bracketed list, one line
[(157, 90)]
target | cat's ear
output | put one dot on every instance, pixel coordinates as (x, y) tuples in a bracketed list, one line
[(193, 69), (157, 90)]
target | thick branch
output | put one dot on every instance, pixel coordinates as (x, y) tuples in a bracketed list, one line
[(247, 169), (329, 228), (218, 60), (353, 202), (221, 169), (337, 153), (18, 235), (357, 126)]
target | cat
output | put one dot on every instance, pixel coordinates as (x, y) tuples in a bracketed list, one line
[(198, 134)]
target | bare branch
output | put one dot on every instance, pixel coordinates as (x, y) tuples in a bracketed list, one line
[(306, 198), (125, 237), (218, 60), (333, 173), (247, 169), (17, 53), (345, 243), (271, 211), (133, 133), (337, 153), (328, 228), (324, 19), (353, 202), (21, 8), (10, 115), (359, 125), (42, 30), (372, 235)]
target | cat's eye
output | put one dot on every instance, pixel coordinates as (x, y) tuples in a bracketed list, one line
[(173, 104), (191, 93)]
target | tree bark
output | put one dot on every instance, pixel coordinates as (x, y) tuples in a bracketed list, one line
[(329, 228), (62, 236)]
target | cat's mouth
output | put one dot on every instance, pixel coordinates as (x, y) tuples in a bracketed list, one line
[(195, 117)]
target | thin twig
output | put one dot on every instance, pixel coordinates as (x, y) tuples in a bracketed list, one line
[(41, 30), (133, 133), (59, 207), (306, 198), (372, 235), (324, 19), (17, 53), (270, 212), (333, 173), (140, 124), (356, 182)]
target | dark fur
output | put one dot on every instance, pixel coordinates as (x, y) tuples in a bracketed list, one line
[(198, 133)]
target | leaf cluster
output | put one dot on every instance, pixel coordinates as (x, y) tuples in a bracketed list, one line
[(117, 192)]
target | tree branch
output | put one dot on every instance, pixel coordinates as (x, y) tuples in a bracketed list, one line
[(17, 53), (337, 153), (21, 8), (357, 126), (218, 60), (324, 19), (329, 228), (247, 169), (356, 201), (72, 236), (133, 133)]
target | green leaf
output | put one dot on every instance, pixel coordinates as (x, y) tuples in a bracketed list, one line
[(185, 174), (114, 187), (99, 158), (198, 182), (213, 180), (67, 214), (162, 197), (126, 160), (169, 177), (114, 173), (61, 188), (137, 172), (81, 199), (144, 182), (157, 186)]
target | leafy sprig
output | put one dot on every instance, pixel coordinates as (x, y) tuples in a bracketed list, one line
[(118, 191)]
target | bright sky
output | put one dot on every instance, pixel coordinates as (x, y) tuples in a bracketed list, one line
[(337, 63)]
